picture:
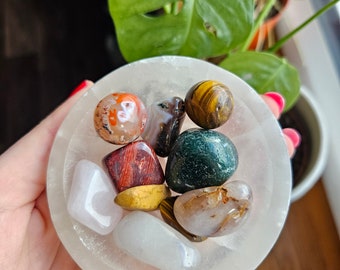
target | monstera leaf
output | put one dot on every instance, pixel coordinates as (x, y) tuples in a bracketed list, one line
[(265, 72), (200, 29)]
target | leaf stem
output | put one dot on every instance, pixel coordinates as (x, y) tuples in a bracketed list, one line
[(167, 8), (258, 22), (285, 38), (172, 8)]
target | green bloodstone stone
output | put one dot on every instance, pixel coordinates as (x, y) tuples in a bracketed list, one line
[(200, 158)]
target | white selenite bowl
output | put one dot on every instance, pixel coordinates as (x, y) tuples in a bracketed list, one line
[(263, 163)]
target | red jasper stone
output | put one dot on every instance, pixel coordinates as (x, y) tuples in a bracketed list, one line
[(133, 165)]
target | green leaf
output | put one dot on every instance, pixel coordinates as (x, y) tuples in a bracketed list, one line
[(265, 72), (201, 29)]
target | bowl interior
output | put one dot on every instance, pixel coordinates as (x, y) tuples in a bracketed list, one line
[(263, 163)]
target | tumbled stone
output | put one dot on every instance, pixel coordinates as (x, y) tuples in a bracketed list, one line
[(120, 118), (164, 123), (90, 201), (167, 211), (133, 165), (214, 211), (200, 158), (209, 104), (154, 242), (146, 197)]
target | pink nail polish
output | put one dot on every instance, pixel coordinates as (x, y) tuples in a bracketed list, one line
[(294, 136), (81, 86), (290, 146), (278, 98)]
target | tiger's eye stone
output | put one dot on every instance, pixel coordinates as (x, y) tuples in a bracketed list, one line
[(200, 158), (145, 198), (167, 211), (209, 104), (163, 126), (133, 165), (120, 118), (214, 211)]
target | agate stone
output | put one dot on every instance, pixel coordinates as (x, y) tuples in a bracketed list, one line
[(209, 104), (167, 211), (164, 123), (214, 211), (119, 118), (154, 242), (90, 201), (133, 165), (200, 158)]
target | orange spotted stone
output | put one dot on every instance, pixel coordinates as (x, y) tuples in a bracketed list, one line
[(119, 118)]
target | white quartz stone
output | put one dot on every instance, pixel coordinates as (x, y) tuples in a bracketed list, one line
[(91, 198), (152, 241), (214, 211)]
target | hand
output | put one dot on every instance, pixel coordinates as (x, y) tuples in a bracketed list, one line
[(276, 104), (28, 239)]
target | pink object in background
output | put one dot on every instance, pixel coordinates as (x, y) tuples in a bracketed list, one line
[(276, 103)]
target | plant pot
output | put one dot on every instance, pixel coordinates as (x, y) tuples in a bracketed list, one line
[(311, 156), (262, 33)]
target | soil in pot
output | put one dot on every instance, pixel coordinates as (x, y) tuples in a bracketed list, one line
[(302, 157)]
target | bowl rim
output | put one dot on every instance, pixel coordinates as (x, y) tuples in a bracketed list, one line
[(274, 217)]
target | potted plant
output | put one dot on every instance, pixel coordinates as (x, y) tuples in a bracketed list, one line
[(265, 30), (219, 31)]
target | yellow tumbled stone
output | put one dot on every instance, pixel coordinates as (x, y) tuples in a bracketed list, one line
[(145, 197)]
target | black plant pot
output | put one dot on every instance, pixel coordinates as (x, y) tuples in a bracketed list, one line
[(311, 156)]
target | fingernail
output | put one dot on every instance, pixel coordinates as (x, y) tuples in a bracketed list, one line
[(81, 86), (290, 146), (294, 136), (278, 98)]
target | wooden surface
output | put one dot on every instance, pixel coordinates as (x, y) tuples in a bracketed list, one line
[(48, 47), (309, 239)]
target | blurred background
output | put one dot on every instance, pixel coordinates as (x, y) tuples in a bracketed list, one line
[(48, 47)]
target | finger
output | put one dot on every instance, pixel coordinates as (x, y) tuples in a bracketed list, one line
[(275, 102), (293, 140), (23, 166)]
